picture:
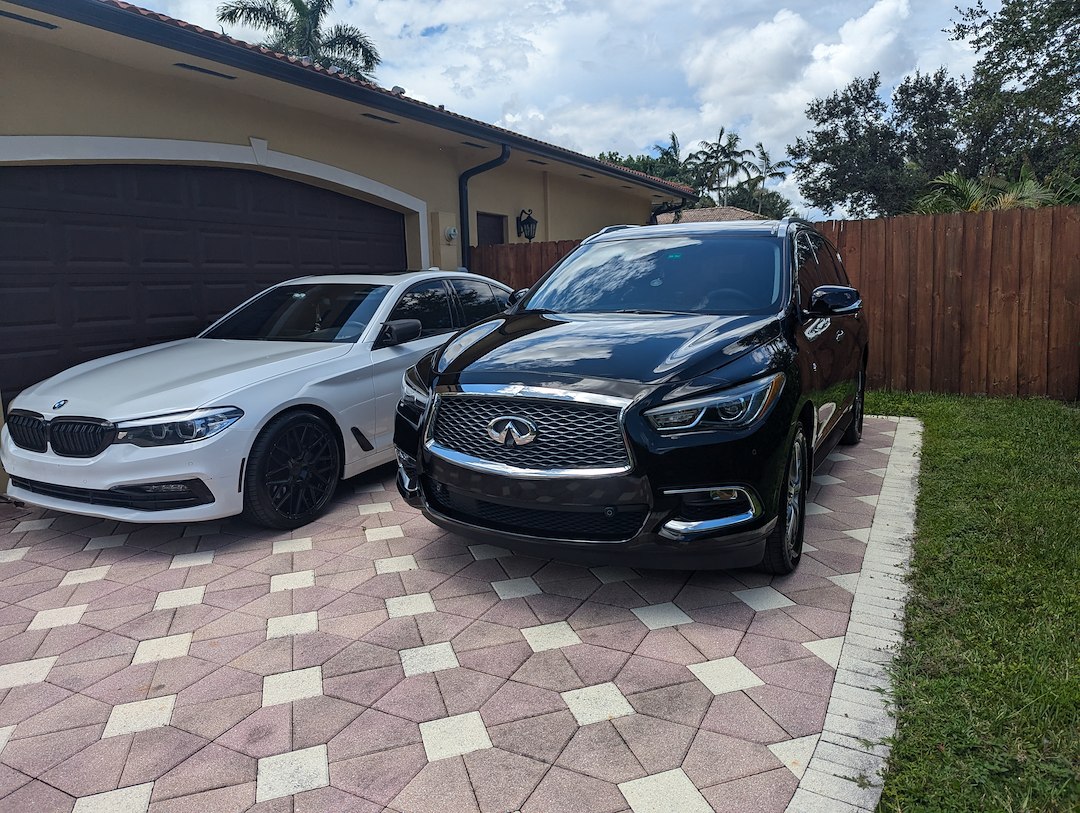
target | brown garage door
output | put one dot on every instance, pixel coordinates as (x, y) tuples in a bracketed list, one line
[(98, 259)]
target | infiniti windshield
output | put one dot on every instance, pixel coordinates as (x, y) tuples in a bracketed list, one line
[(328, 312), (679, 274)]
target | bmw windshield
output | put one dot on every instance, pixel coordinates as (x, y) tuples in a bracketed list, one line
[(327, 312), (675, 274)]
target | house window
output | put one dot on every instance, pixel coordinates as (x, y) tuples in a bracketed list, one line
[(490, 229)]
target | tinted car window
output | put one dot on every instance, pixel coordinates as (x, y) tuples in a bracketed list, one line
[(303, 313), (835, 268), (428, 302), (476, 299), (684, 273), (808, 266)]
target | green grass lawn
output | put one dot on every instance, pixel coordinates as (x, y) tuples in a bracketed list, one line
[(988, 681)]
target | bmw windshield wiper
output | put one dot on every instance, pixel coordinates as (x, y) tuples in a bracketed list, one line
[(644, 311)]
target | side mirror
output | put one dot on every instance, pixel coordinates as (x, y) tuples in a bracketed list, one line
[(516, 296), (399, 331), (834, 300)]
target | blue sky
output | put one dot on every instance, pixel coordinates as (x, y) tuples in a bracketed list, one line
[(613, 75)]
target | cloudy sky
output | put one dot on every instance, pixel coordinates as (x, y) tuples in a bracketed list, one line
[(616, 75)]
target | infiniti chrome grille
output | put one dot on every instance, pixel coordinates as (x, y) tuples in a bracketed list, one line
[(69, 437), (569, 435)]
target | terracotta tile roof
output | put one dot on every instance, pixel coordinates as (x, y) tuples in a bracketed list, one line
[(307, 64), (715, 214)]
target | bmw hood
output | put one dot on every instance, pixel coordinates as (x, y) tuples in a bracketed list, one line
[(169, 377), (637, 348)]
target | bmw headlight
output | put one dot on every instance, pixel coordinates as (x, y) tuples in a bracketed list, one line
[(413, 391), (178, 427), (732, 408)]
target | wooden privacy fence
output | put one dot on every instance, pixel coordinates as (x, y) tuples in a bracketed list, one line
[(974, 303)]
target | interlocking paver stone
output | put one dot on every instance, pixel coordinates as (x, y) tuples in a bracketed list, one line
[(287, 687), (516, 588), (292, 581), (423, 659), (387, 532), (198, 559), (134, 799), (160, 649), (454, 736), (185, 597), (291, 545), (595, 703), (127, 718), (89, 574), (395, 564), (658, 616), (417, 604), (296, 624), (550, 636), (12, 555), (667, 792), (725, 675), (763, 598), (103, 542), (291, 773), (23, 673), (481, 552), (60, 617)]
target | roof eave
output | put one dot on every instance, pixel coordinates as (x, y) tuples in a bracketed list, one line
[(200, 45)]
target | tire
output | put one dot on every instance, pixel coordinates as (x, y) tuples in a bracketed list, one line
[(783, 547), (853, 434), (292, 472)]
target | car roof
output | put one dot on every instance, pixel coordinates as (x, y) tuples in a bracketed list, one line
[(388, 277), (744, 228)]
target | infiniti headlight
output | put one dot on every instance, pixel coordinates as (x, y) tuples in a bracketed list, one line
[(734, 408), (178, 427), (413, 391)]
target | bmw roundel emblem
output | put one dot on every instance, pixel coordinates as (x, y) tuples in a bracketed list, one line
[(59, 404)]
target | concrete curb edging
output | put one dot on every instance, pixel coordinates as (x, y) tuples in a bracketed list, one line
[(844, 773)]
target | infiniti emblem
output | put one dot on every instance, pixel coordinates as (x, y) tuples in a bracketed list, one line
[(509, 431), (59, 404)]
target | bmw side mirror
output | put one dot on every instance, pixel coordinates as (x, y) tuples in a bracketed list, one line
[(516, 296), (399, 331), (834, 300)]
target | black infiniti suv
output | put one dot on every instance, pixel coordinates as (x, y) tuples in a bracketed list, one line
[(660, 397)]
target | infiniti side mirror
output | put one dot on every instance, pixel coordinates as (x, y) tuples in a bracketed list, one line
[(399, 331), (516, 296), (834, 300)]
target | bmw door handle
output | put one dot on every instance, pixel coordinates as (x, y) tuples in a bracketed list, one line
[(839, 335)]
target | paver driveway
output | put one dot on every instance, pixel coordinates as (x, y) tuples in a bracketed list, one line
[(371, 661)]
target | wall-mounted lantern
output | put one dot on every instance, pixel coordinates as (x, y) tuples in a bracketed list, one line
[(526, 225)]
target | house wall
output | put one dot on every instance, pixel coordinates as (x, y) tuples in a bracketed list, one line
[(55, 91)]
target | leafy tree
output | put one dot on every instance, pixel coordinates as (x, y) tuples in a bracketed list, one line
[(924, 114), (764, 170), (666, 164), (767, 202), (854, 156), (1024, 96), (296, 27)]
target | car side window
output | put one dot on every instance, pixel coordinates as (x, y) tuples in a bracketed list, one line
[(808, 267), (476, 300), (502, 297), (838, 273), (428, 302)]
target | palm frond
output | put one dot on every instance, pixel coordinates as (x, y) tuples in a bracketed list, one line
[(266, 15), (349, 42)]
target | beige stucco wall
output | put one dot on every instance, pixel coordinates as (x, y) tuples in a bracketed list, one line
[(56, 91)]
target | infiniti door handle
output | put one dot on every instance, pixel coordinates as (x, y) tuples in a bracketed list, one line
[(839, 335)]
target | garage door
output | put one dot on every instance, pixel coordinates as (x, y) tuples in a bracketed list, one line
[(98, 259)]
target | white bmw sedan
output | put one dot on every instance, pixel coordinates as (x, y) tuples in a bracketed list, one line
[(261, 414)]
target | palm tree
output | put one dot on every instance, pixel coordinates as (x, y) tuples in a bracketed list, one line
[(952, 192), (765, 171), (296, 27), (720, 161)]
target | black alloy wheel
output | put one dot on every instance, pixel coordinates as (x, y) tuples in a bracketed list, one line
[(853, 434), (293, 471), (783, 547)]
